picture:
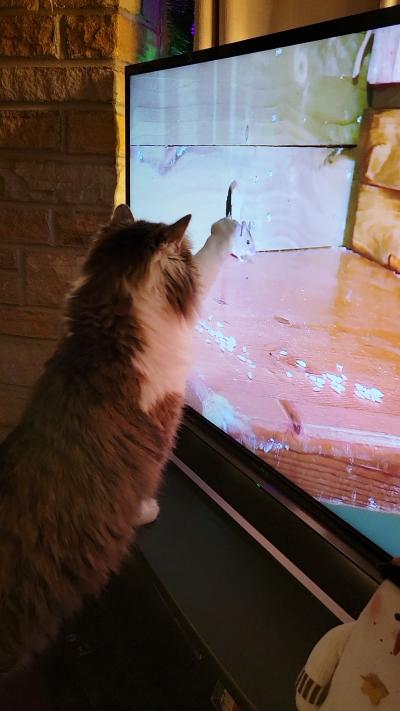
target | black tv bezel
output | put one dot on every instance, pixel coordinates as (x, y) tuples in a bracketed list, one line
[(236, 474)]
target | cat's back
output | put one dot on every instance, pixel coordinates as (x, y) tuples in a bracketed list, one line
[(43, 441)]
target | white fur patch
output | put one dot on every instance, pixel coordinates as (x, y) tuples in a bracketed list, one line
[(212, 255), (149, 510), (166, 359)]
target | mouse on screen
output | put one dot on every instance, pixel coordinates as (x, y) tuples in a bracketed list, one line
[(243, 247)]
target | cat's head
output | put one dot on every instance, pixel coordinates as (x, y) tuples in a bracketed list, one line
[(134, 259)]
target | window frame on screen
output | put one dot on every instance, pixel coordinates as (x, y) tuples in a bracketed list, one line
[(343, 562)]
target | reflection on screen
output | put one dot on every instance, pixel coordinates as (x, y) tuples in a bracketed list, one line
[(297, 352)]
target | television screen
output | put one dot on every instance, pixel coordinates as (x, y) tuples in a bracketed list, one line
[(297, 350)]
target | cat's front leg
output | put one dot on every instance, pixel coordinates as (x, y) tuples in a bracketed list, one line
[(148, 512), (218, 246)]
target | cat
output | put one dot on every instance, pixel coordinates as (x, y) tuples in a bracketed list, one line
[(81, 471)]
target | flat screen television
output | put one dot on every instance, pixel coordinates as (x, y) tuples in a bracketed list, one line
[(296, 375)]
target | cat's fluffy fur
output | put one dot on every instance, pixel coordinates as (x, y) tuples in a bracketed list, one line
[(80, 470)]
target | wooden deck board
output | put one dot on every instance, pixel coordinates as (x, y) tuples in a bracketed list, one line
[(319, 330)]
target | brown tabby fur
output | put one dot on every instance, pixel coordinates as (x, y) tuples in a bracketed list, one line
[(73, 472)]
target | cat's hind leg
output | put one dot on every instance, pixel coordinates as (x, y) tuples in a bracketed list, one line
[(149, 510)]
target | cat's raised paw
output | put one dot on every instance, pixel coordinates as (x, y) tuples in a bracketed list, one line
[(149, 510), (224, 228)]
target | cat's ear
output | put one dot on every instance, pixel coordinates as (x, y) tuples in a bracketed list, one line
[(121, 215), (176, 232)]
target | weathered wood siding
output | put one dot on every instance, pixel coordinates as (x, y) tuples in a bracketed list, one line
[(301, 95), (294, 197), (376, 194)]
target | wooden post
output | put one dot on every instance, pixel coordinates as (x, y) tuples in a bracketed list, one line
[(375, 206)]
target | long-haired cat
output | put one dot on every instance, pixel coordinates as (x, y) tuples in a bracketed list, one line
[(81, 470)]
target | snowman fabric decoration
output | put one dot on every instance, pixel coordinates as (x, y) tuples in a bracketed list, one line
[(356, 666)]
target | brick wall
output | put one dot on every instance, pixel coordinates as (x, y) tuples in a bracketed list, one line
[(61, 160)]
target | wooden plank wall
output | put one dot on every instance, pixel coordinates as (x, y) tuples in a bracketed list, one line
[(276, 122), (374, 224), (294, 197)]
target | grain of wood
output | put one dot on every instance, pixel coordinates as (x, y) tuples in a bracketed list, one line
[(380, 159), (300, 95), (318, 329), (293, 196), (377, 226)]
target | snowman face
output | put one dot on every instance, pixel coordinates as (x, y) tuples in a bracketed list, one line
[(383, 613)]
